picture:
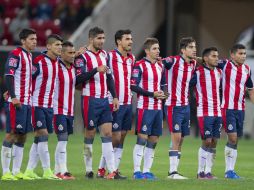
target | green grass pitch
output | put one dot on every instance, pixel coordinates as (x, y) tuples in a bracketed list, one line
[(188, 167)]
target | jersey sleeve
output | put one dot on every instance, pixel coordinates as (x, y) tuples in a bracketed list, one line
[(222, 63), (136, 76), (168, 62), (193, 80), (249, 83), (11, 65), (80, 65)]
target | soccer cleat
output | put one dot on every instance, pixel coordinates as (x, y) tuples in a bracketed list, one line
[(149, 176), (175, 175), (20, 175), (8, 176), (48, 174), (89, 175), (101, 173), (138, 175), (66, 176), (31, 174), (111, 175), (119, 176), (230, 174), (210, 176), (201, 175)]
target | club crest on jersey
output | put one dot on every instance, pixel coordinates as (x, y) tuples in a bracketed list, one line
[(129, 61), (13, 62), (144, 128), (60, 127), (39, 124), (115, 126), (91, 123), (79, 62), (168, 60)]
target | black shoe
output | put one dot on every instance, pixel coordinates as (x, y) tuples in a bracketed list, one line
[(119, 176), (89, 175)]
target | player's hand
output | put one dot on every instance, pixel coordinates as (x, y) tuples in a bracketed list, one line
[(159, 95), (199, 60), (80, 51), (115, 104), (102, 69), (5, 95), (16, 102)]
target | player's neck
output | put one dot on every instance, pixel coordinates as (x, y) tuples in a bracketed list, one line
[(92, 49), (25, 48), (186, 58), (122, 51), (151, 59), (68, 65), (51, 55), (209, 66)]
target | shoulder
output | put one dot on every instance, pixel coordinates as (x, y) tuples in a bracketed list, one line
[(38, 58)]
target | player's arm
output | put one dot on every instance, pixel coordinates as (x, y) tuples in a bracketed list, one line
[(164, 86), (193, 80), (35, 70), (250, 87), (10, 69)]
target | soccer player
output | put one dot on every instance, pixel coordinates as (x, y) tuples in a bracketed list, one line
[(95, 105), (179, 70), (147, 81), (18, 77), (45, 70), (236, 77), (68, 76), (207, 80), (121, 62)]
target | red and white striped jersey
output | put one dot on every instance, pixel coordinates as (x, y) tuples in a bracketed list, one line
[(148, 76), (19, 65), (121, 68), (178, 75), (207, 91), (64, 90), (235, 79), (96, 86), (44, 74)]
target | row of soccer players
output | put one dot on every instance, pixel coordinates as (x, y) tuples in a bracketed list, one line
[(50, 82)]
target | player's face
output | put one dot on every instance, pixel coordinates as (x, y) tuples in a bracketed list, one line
[(126, 42), (55, 48), (239, 56), (190, 51), (212, 58), (98, 41), (30, 42), (154, 52), (68, 55)]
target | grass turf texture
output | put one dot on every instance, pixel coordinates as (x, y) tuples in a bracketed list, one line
[(188, 167)]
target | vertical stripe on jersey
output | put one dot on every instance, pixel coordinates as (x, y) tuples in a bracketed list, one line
[(70, 93), (226, 85), (116, 73), (22, 77), (155, 84), (30, 78), (184, 83), (90, 85), (214, 92), (174, 78), (204, 92), (102, 76), (54, 64), (44, 72), (237, 88), (61, 91)]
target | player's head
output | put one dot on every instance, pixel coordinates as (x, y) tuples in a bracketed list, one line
[(54, 44), (210, 56), (28, 38), (238, 53), (68, 52), (96, 38), (123, 39), (152, 48), (187, 47)]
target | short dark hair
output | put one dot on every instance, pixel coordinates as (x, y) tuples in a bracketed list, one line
[(93, 32), (119, 34), (207, 51), (54, 37), (67, 44), (149, 42), (236, 47), (25, 33), (184, 42)]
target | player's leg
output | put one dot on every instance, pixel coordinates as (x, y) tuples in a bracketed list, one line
[(230, 151), (153, 138)]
